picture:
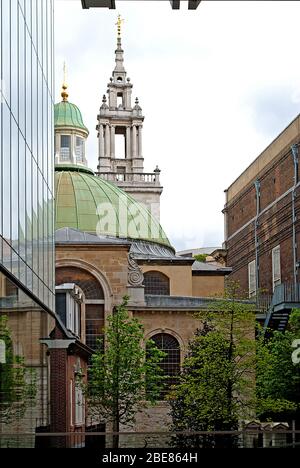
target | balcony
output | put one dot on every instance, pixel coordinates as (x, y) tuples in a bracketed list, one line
[(135, 178), (286, 297)]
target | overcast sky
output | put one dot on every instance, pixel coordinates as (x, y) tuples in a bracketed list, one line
[(216, 86)]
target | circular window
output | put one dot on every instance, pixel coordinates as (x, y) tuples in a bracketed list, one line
[(119, 78)]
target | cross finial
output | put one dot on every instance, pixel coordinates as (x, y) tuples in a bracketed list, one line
[(65, 72), (119, 24)]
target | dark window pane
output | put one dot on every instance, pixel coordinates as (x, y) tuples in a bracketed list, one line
[(94, 322), (171, 362), (156, 283)]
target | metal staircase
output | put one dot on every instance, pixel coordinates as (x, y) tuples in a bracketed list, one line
[(286, 297)]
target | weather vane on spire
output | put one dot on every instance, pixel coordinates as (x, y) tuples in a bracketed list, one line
[(65, 72), (64, 93), (119, 24)]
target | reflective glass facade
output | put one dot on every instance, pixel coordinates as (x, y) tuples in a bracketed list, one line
[(24, 368), (26, 145)]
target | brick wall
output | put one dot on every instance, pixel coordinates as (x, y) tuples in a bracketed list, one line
[(274, 223), (58, 394)]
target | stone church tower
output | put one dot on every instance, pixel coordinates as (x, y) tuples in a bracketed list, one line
[(123, 164)]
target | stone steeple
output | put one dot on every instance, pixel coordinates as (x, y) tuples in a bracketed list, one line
[(122, 161)]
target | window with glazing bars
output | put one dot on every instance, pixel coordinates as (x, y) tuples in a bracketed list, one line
[(94, 323), (171, 362), (65, 147), (156, 283)]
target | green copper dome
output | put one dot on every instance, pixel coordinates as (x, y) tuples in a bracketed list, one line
[(68, 115), (91, 204)]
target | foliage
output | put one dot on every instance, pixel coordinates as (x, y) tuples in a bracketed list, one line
[(123, 377), (17, 383), (216, 386), (201, 257), (277, 378)]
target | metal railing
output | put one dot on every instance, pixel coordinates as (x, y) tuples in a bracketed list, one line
[(249, 438), (285, 296), (145, 177), (286, 293)]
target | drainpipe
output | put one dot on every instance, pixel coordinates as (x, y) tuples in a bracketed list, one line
[(294, 149), (225, 212), (257, 190)]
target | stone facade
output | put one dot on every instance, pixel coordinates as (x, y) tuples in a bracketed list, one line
[(118, 273), (180, 276), (108, 264), (208, 285)]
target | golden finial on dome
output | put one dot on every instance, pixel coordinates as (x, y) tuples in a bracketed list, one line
[(64, 93), (119, 24)]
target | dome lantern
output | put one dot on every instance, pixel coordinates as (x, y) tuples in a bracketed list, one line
[(70, 132)]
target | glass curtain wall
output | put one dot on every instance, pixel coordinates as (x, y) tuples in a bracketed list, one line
[(26, 217), (24, 368), (26, 145)]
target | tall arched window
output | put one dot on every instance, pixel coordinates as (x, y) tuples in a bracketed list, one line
[(171, 362), (156, 283), (94, 300)]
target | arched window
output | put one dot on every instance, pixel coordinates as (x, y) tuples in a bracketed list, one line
[(171, 362), (156, 283), (87, 282), (94, 300)]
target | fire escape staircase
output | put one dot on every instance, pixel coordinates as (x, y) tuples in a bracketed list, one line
[(286, 297)]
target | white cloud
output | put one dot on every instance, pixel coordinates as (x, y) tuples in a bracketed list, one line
[(201, 77)]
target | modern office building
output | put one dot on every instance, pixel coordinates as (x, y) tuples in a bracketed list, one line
[(26, 215)]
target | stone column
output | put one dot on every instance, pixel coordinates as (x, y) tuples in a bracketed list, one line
[(101, 141), (128, 152), (140, 142), (112, 142), (73, 157), (134, 141), (107, 141)]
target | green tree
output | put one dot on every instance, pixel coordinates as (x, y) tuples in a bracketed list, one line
[(216, 387), (277, 378), (201, 257), (123, 376), (17, 383)]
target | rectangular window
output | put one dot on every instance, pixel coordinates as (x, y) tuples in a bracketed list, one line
[(79, 149), (77, 328), (276, 268), (120, 145), (121, 171), (65, 147), (252, 278), (94, 322), (120, 101)]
